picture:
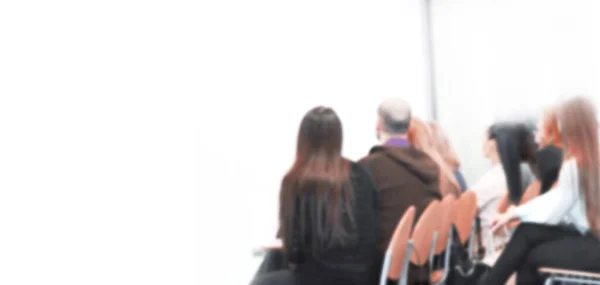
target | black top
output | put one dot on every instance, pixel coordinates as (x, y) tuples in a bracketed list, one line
[(549, 161), (351, 263)]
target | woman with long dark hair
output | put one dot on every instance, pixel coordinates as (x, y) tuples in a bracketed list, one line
[(328, 211), (560, 228), (517, 150), (510, 147)]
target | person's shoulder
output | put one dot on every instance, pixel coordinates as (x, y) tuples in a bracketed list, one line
[(570, 164), (361, 177), (568, 171), (374, 154), (549, 153), (359, 168)]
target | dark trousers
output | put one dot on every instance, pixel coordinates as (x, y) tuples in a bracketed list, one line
[(536, 245)]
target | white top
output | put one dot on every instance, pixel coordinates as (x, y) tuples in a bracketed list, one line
[(561, 205), (489, 190)]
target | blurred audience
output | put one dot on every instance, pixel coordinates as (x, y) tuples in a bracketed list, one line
[(337, 217), (421, 136), (328, 213), (559, 229)]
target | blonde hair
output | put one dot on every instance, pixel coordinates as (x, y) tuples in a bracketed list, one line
[(442, 144), (421, 137)]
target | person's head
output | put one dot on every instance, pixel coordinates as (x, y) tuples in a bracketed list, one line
[(442, 144), (579, 129), (393, 118), (320, 172), (421, 137), (490, 147), (511, 144), (320, 135), (548, 133)]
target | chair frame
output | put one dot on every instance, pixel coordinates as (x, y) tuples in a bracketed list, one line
[(387, 262), (569, 276), (407, 221), (447, 250), (448, 253)]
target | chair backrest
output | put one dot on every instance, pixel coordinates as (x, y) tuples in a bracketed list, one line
[(466, 211), (399, 243), (422, 235), (447, 209)]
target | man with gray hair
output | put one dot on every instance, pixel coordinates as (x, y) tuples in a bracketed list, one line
[(404, 175), (394, 120)]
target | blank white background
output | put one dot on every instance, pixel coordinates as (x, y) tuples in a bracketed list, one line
[(143, 142)]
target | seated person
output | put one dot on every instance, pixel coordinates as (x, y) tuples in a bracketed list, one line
[(404, 175), (328, 213), (505, 148), (559, 229)]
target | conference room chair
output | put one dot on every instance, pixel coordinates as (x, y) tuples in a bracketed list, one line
[(397, 256), (465, 219), (443, 240)]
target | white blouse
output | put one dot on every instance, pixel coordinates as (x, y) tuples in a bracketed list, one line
[(564, 204), (489, 190)]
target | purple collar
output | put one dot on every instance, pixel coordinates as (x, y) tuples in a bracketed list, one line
[(399, 142)]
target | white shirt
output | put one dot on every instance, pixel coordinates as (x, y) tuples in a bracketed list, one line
[(489, 190), (563, 204)]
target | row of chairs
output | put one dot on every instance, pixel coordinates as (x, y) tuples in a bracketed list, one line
[(430, 237), (433, 234)]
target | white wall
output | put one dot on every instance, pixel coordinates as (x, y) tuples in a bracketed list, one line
[(498, 59)]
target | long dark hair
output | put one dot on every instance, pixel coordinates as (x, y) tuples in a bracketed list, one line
[(579, 130), (516, 144), (316, 193)]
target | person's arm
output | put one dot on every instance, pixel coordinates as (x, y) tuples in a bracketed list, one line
[(504, 203), (551, 207)]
